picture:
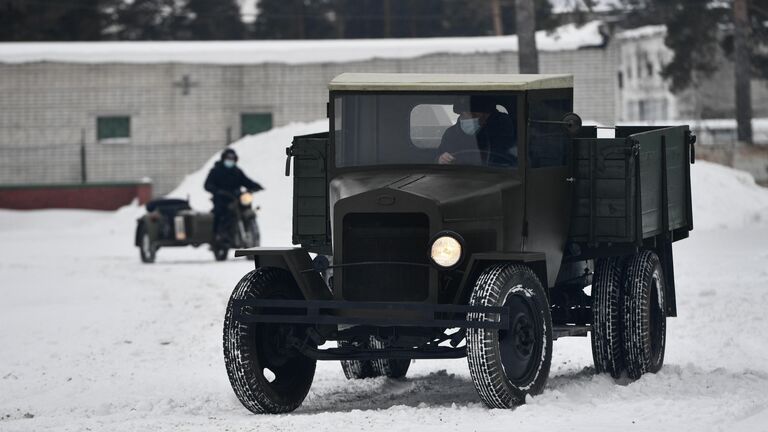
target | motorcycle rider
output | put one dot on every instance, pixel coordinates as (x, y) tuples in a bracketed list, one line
[(224, 181)]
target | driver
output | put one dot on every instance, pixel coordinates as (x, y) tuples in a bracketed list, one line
[(481, 136), (224, 181)]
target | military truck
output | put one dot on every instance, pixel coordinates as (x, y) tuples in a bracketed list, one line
[(531, 229)]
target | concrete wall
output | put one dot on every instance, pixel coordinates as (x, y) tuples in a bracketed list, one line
[(48, 110)]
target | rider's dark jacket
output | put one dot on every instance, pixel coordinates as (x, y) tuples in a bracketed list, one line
[(225, 183), (494, 144)]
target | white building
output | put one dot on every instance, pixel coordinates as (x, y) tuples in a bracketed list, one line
[(122, 111)]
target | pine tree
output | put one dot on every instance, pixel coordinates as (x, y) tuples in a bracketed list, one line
[(699, 32), (152, 20), (53, 21), (215, 20)]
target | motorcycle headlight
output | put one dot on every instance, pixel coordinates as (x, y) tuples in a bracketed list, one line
[(446, 250), (246, 199)]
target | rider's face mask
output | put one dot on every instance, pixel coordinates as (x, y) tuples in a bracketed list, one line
[(470, 126), (229, 163)]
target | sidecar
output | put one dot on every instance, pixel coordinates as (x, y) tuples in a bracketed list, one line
[(170, 223)]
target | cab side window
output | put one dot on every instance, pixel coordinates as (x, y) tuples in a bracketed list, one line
[(548, 142)]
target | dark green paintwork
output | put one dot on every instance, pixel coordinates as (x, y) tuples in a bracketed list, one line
[(608, 198), (620, 196), (310, 193)]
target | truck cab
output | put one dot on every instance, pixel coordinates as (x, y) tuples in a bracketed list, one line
[(447, 216)]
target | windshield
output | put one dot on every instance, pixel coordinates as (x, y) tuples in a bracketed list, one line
[(424, 128)]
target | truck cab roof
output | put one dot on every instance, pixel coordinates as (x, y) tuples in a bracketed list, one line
[(448, 82)]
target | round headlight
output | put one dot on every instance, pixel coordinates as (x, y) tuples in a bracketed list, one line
[(246, 199), (446, 251)]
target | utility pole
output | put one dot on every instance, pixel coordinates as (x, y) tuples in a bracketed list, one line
[(498, 26), (525, 20), (742, 70)]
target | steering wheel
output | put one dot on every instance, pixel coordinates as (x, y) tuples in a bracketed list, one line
[(511, 159)]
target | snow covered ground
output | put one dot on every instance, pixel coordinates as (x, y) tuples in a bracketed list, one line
[(91, 339)]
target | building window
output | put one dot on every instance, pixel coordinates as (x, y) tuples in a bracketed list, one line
[(113, 129), (253, 123)]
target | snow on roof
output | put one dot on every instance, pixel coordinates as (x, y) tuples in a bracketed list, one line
[(411, 81), (568, 37), (565, 6), (643, 32)]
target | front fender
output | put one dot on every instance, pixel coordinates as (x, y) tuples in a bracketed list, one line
[(295, 260), (478, 262)]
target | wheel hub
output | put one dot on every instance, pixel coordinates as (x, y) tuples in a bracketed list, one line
[(523, 334), (518, 345)]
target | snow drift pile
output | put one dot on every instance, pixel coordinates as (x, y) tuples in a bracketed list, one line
[(722, 197)]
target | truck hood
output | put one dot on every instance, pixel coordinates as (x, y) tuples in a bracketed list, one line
[(454, 194)]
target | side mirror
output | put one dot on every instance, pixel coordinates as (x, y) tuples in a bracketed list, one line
[(571, 123)]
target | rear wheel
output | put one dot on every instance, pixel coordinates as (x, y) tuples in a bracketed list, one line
[(607, 305), (147, 248), (645, 319), (360, 369), (266, 373), (357, 369), (392, 368), (507, 365)]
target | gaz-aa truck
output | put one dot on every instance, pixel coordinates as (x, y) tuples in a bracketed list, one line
[(448, 216)]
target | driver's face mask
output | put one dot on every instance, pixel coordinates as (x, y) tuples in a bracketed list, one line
[(470, 126), (229, 163)]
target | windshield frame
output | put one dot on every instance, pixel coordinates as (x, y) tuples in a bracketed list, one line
[(335, 170)]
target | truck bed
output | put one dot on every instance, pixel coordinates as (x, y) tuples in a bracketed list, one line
[(632, 188)]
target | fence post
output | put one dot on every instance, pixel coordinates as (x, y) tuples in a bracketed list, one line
[(83, 165)]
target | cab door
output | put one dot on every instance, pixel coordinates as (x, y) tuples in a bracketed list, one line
[(548, 181)]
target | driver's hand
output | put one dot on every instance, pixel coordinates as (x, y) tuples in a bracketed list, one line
[(446, 159)]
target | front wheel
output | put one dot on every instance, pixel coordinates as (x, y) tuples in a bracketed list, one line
[(266, 373), (506, 365), (147, 248), (220, 253)]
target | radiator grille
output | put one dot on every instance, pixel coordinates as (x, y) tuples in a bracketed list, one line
[(389, 237)]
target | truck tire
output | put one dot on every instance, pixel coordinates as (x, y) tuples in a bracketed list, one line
[(267, 376), (607, 304), (507, 365), (391, 368), (147, 248), (357, 369), (645, 319)]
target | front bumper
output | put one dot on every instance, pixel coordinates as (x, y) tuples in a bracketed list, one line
[(331, 312)]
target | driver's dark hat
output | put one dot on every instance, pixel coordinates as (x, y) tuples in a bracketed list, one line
[(228, 153), (481, 104)]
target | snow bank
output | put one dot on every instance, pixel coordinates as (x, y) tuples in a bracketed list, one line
[(262, 157), (568, 37), (722, 197)]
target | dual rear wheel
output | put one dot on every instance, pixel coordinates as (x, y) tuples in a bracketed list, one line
[(629, 315)]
